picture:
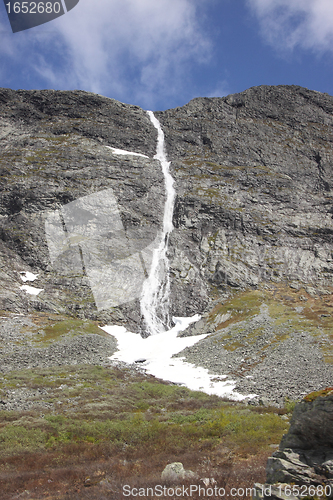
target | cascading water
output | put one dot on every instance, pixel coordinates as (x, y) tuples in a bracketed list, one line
[(156, 289), (155, 352)]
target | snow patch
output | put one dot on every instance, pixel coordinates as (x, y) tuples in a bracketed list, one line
[(155, 355), (27, 276), (116, 151), (31, 290)]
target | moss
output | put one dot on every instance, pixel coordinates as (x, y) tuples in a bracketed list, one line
[(71, 327), (60, 139), (241, 306), (44, 328), (289, 405), (318, 394)]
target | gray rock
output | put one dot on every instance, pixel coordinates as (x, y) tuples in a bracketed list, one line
[(54, 152), (311, 426), (176, 472), (19, 352), (287, 467), (247, 352), (305, 457), (273, 492)]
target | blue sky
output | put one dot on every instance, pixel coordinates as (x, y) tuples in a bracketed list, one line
[(159, 54)]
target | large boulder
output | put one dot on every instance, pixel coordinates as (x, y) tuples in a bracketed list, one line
[(311, 426), (305, 455)]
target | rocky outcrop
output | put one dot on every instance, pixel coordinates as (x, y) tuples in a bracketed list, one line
[(273, 359), (305, 456)]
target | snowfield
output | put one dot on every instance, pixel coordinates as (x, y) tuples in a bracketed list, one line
[(155, 355)]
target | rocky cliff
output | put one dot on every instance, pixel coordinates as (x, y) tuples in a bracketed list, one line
[(53, 153), (255, 176), (252, 245)]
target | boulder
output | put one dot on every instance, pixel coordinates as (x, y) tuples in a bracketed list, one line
[(176, 472), (305, 456), (311, 426)]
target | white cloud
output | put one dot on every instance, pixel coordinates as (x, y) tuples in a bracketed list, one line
[(288, 24), (137, 50)]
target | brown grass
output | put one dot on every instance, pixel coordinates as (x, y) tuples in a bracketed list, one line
[(101, 476)]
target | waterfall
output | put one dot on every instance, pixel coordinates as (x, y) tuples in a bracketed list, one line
[(156, 289)]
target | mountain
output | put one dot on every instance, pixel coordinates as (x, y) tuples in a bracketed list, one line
[(252, 246)]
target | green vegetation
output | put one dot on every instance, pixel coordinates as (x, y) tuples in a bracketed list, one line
[(240, 307), (44, 329), (96, 406), (68, 326), (83, 424), (289, 309), (289, 405)]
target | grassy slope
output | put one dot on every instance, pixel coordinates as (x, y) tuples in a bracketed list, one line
[(88, 430), (105, 427)]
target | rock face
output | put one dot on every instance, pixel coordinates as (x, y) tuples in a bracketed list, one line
[(253, 214), (253, 176), (54, 152), (312, 423), (305, 457)]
